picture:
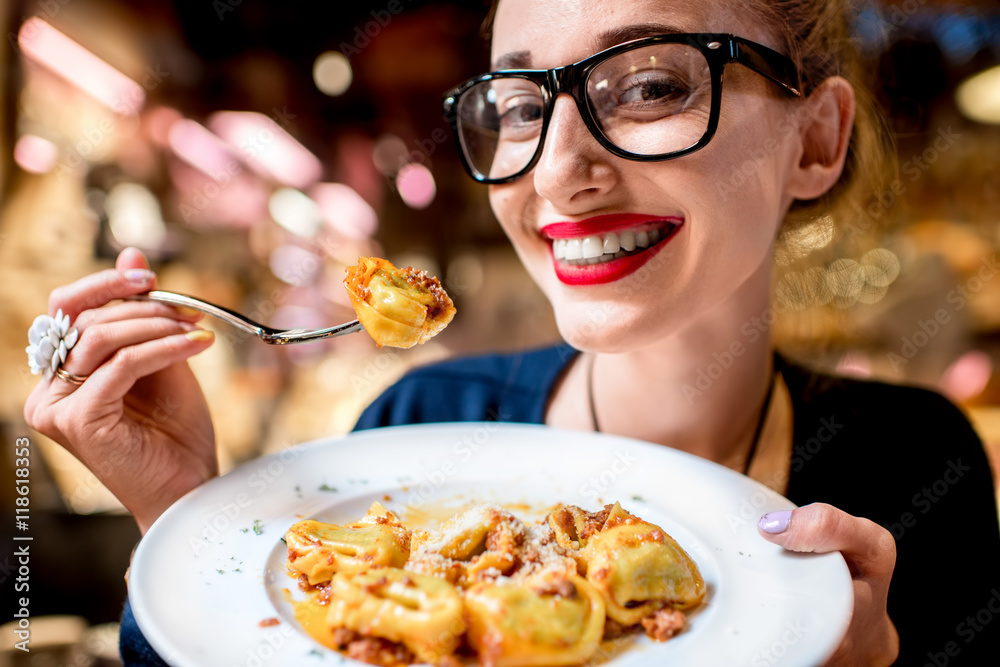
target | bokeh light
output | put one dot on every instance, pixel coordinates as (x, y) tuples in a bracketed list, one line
[(390, 153), (134, 216), (332, 73), (294, 265), (880, 267), (416, 185), (845, 278), (267, 147), (345, 210), (979, 96), (42, 43), (296, 212), (35, 154)]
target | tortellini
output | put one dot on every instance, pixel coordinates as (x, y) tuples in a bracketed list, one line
[(424, 613), (533, 624), (318, 550), (518, 594), (640, 569), (398, 307)]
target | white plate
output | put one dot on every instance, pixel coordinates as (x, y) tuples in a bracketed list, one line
[(203, 580)]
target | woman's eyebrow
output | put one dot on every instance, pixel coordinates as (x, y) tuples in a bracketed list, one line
[(513, 60), (607, 39), (629, 33)]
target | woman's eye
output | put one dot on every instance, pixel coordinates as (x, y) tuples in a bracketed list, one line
[(521, 111), (643, 90)]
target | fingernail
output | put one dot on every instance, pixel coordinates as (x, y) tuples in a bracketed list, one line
[(775, 522), (201, 335), (187, 312), (138, 276)]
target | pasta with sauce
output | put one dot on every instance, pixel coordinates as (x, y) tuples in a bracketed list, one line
[(488, 584)]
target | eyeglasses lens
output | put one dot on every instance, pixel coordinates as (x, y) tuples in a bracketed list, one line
[(650, 101)]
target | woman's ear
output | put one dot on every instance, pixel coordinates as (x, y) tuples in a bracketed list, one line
[(825, 132)]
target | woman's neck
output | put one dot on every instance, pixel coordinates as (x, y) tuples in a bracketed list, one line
[(700, 390)]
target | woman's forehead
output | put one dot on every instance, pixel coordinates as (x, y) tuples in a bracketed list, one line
[(549, 33)]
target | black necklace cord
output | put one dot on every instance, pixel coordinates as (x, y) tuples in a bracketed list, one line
[(758, 430)]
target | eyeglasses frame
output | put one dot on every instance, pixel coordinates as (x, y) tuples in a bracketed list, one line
[(719, 49)]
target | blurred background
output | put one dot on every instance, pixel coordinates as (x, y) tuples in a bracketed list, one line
[(253, 149)]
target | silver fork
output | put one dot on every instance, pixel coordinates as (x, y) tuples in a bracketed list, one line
[(266, 334)]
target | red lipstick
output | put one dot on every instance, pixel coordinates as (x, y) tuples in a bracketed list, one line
[(614, 269)]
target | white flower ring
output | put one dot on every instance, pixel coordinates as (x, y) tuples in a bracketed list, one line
[(50, 340)]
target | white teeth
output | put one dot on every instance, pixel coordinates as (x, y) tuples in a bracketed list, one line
[(611, 245), (592, 248), (627, 240)]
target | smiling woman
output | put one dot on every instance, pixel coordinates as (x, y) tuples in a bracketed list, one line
[(610, 135)]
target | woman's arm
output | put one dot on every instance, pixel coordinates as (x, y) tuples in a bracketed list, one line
[(139, 421)]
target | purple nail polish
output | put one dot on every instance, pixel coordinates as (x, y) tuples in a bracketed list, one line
[(138, 276), (775, 522)]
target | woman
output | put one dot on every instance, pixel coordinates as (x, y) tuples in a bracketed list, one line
[(609, 185)]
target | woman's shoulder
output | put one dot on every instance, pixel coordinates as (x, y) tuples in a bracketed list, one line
[(870, 447), (510, 369), (901, 407), (498, 387)]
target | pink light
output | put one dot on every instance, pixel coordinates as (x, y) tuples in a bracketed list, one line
[(416, 185), (205, 201), (204, 151), (42, 43), (345, 210), (856, 365), (267, 148), (967, 376), (158, 123), (35, 155)]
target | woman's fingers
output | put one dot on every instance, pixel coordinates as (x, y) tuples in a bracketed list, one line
[(131, 258), (868, 548), (99, 288), (115, 377), (100, 341), (131, 310), (870, 553)]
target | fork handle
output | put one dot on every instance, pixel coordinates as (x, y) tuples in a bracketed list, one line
[(239, 321), (243, 323)]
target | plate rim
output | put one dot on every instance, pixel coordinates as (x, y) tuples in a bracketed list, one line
[(163, 643)]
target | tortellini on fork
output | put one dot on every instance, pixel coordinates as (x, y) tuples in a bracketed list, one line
[(398, 307)]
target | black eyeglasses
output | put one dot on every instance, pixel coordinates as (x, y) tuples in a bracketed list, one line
[(647, 100)]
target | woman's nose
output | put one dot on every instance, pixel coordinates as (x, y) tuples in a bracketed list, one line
[(573, 169)]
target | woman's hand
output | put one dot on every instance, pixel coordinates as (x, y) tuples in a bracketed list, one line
[(870, 553), (139, 421)]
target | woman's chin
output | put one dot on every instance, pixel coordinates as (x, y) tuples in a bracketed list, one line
[(597, 330)]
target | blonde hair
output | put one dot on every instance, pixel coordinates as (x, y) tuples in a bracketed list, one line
[(816, 36)]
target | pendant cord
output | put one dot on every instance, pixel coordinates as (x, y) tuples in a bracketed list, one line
[(758, 430), (590, 394)]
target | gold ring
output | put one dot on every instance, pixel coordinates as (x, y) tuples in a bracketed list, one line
[(69, 377)]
